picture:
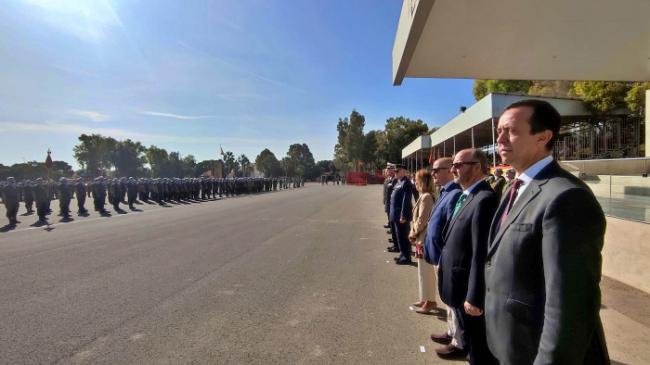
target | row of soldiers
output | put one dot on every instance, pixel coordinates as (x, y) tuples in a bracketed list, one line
[(130, 191)]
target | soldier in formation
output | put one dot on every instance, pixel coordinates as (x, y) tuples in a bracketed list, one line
[(129, 191), (10, 193)]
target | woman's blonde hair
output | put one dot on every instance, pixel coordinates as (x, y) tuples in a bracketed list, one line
[(424, 180)]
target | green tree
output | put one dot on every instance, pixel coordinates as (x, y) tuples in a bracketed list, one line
[(245, 164), (94, 153), (485, 87), (341, 148), (325, 167), (33, 169), (602, 97), (400, 132), (556, 88), (205, 166), (370, 151), (635, 97), (129, 158), (188, 164), (350, 140), (300, 161), (268, 164), (230, 164), (158, 160), (355, 137)]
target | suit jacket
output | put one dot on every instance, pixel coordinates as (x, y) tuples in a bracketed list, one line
[(421, 212), (401, 201), (542, 275), (440, 215), (461, 266)]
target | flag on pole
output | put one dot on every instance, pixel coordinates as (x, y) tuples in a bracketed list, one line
[(222, 154), (48, 160)]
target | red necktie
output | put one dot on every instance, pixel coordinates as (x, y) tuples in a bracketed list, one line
[(512, 195)]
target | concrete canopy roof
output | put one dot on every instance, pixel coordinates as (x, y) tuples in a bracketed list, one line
[(484, 110), (418, 144), (523, 39)]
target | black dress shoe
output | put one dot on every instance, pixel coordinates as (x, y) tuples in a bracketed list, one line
[(403, 261), (392, 249), (386, 226), (390, 240)]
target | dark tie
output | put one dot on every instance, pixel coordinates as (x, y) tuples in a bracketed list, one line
[(512, 195)]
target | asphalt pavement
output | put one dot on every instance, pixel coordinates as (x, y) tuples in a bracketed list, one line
[(288, 277)]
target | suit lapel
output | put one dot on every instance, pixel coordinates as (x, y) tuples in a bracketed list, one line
[(529, 194), (437, 203), (466, 203)]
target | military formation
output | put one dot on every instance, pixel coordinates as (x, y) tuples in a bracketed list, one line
[(124, 191)]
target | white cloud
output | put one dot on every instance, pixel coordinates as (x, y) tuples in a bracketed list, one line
[(55, 127), (88, 20), (90, 115), (176, 116)]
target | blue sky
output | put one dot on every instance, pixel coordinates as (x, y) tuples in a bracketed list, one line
[(189, 76)]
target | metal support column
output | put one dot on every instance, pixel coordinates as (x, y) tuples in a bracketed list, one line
[(494, 146), (647, 124), (472, 131)]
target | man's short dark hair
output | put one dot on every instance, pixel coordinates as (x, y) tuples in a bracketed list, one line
[(544, 117)]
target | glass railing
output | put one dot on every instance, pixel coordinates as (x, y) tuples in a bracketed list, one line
[(625, 197)]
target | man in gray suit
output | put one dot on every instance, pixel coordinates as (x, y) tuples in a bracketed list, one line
[(543, 265)]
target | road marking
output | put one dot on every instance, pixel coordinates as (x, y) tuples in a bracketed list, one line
[(422, 349), (363, 238)]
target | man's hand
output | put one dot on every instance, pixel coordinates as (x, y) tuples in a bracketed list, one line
[(472, 310)]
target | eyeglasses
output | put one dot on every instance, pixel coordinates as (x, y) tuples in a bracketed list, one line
[(458, 165), (436, 170)]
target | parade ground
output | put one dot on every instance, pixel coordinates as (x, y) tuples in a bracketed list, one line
[(299, 276)]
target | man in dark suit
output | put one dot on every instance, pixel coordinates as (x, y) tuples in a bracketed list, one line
[(544, 264), (401, 213), (461, 267), (433, 242)]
